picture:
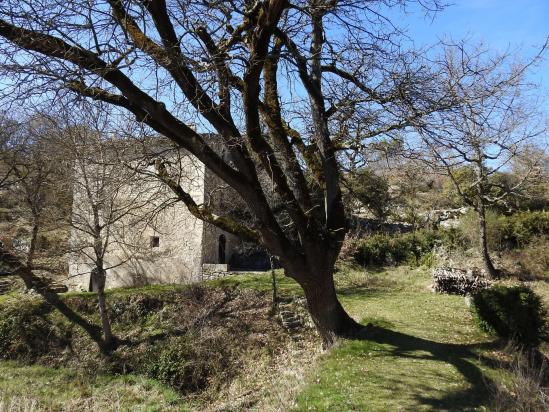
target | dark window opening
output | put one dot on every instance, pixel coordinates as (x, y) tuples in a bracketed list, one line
[(221, 250), (155, 241)]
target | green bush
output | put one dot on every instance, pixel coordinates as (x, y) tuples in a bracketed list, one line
[(187, 363), (522, 227), (505, 232), (511, 312), (469, 230), (26, 332), (453, 238), (387, 249), (532, 260)]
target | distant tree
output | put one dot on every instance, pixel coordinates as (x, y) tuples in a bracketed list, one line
[(33, 166), (492, 122), (35, 172), (370, 191), (113, 201), (534, 191), (513, 192)]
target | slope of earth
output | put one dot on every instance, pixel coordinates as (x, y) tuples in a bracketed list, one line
[(181, 348), (39, 388)]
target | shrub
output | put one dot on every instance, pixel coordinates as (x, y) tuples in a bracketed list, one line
[(526, 390), (382, 248), (187, 363), (505, 232), (522, 227), (511, 312), (24, 326), (453, 238), (531, 261), (495, 223)]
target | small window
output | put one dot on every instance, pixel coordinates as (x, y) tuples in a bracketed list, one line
[(155, 241)]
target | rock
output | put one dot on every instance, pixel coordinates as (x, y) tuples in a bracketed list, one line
[(468, 301), (294, 316), (445, 217), (10, 284), (458, 281), (5, 286)]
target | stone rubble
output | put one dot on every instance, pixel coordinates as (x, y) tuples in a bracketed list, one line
[(457, 281)]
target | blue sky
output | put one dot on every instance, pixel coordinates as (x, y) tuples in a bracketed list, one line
[(500, 24)]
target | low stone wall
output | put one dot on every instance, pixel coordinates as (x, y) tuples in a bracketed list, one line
[(214, 270)]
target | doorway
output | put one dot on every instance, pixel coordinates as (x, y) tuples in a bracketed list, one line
[(93, 286), (222, 243)]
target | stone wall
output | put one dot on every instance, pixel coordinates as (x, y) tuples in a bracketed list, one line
[(184, 242), (131, 258), (212, 271), (222, 200)]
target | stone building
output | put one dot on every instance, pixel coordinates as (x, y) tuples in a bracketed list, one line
[(159, 241)]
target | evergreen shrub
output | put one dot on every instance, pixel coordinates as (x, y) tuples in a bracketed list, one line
[(514, 312)]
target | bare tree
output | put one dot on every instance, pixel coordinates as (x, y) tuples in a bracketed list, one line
[(493, 122), (113, 201), (6, 160), (275, 80), (35, 170), (32, 167)]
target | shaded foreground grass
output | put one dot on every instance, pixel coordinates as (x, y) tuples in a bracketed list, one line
[(424, 353)]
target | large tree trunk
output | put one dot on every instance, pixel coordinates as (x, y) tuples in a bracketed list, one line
[(489, 268), (329, 316)]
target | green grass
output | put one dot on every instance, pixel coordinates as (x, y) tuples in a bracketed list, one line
[(424, 353), (119, 292), (262, 282), (42, 388)]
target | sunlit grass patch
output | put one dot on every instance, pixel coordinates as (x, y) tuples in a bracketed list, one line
[(424, 352), (43, 388)]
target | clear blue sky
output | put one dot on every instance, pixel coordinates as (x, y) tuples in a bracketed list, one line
[(500, 24)]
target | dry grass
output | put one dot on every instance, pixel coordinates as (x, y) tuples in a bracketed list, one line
[(273, 384), (36, 388), (427, 354), (226, 335), (530, 262), (526, 389), (18, 404)]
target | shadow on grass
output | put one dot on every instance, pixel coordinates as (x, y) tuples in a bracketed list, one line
[(359, 292), (460, 356)]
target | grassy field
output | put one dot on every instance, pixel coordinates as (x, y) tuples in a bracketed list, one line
[(424, 353)]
